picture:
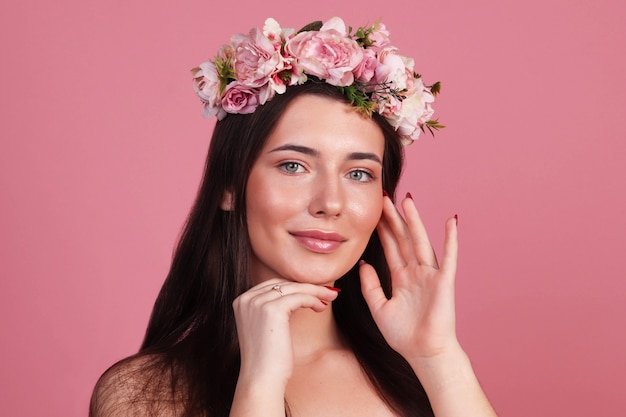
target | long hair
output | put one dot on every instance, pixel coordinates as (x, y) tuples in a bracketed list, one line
[(191, 343)]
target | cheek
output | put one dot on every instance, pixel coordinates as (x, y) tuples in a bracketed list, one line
[(268, 201), (368, 212), (268, 205)]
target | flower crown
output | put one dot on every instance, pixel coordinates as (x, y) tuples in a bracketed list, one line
[(364, 66)]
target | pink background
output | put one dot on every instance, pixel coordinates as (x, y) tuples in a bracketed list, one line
[(102, 146)]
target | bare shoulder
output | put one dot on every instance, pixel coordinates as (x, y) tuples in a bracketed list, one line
[(135, 387)]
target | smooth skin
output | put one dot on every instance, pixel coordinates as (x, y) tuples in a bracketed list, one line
[(290, 346)]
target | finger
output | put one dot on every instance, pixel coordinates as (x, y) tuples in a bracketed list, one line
[(370, 287), (274, 289), (284, 284), (399, 231), (419, 237), (291, 287), (271, 302), (298, 301), (265, 285), (450, 248), (390, 245)]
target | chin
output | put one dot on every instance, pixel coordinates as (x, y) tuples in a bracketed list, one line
[(318, 275)]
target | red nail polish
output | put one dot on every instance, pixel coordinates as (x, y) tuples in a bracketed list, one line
[(408, 195), (456, 218), (333, 288), (385, 194)]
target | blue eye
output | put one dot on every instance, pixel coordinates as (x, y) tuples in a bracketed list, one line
[(291, 167), (360, 175)]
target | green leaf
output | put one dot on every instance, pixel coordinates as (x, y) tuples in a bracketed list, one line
[(359, 99), (225, 72), (431, 125)]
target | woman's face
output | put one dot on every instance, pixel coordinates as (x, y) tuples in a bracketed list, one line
[(314, 195)]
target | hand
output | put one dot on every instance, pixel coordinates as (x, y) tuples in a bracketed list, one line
[(418, 321), (262, 315)]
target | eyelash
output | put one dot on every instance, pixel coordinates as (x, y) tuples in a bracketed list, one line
[(284, 167), (369, 176)]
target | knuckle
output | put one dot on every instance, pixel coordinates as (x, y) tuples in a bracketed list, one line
[(256, 303)]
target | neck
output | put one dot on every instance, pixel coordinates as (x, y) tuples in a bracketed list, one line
[(313, 334)]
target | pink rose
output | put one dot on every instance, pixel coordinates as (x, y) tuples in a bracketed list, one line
[(326, 54), (256, 58), (388, 104), (391, 69), (240, 99), (411, 85), (226, 52), (269, 90), (278, 83), (335, 23), (364, 71), (206, 84), (379, 36), (414, 112), (425, 97)]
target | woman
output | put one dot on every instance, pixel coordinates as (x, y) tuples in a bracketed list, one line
[(297, 288)]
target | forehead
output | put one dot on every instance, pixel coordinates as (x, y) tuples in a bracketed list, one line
[(326, 124)]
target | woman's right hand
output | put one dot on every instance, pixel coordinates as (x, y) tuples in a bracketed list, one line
[(262, 315)]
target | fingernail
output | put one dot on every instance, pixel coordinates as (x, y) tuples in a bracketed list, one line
[(456, 217), (408, 195), (361, 262), (385, 194), (324, 302), (333, 288)]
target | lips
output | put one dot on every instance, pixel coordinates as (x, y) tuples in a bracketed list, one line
[(318, 241)]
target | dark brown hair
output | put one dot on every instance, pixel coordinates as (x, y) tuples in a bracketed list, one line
[(191, 346)]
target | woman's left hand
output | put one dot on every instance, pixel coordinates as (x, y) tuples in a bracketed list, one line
[(418, 321)]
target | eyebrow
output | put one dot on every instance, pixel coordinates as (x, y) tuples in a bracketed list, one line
[(313, 152), (297, 148)]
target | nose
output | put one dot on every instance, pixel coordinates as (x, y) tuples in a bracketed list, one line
[(327, 197)]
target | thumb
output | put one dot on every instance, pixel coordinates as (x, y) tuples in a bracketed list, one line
[(370, 287)]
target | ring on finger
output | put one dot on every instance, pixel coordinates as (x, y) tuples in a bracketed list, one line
[(278, 290)]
